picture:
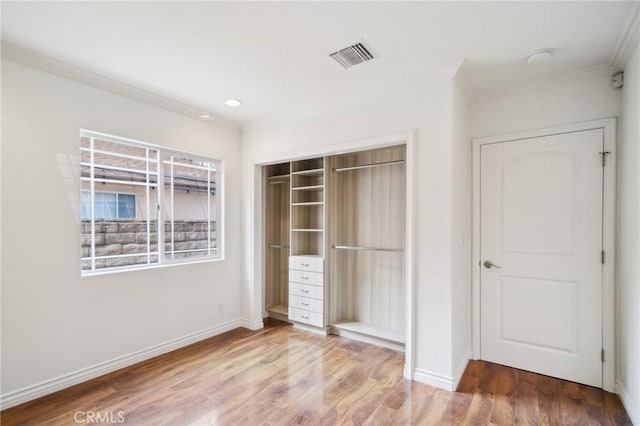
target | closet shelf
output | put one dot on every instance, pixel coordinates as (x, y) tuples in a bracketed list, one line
[(285, 176), (279, 309), (339, 247), (308, 188), (368, 166), (306, 230), (309, 203), (311, 172)]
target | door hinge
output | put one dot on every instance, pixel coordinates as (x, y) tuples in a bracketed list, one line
[(602, 257), (603, 154), (602, 355)]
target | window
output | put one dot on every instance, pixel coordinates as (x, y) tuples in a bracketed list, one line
[(108, 205), (143, 205)]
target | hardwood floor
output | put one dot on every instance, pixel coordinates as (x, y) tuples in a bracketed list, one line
[(283, 376)]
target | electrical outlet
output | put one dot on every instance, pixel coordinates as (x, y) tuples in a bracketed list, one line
[(221, 308)]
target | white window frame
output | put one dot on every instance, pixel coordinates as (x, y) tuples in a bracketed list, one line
[(154, 168)]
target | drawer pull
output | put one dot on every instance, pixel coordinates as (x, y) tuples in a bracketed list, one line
[(304, 304), (305, 264), (304, 316), (304, 278), (304, 290)]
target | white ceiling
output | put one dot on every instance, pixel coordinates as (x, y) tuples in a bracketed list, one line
[(273, 56)]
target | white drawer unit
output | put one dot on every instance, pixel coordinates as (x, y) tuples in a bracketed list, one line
[(306, 277), (306, 290), (306, 303), (306, 263), (306, 317)]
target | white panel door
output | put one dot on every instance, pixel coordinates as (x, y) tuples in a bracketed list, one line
[(541, 225)]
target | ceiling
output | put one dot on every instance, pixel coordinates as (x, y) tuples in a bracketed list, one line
[(274, 55)]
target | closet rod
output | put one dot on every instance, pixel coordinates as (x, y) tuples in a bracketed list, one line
[(279, 182), (277, 246), (367, 248), (366, 166)]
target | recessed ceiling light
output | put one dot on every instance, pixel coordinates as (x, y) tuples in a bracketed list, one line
[(538, 56), (205, 116), (232, 102)]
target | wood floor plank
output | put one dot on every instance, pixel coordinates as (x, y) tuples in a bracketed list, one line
[(573, 411), (283, 376), (526, 398)]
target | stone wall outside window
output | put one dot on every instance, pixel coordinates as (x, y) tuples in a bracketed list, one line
[(124, 236)]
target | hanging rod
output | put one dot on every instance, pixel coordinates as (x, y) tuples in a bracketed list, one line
[(367, 248), (279, 182), (367, 166), (278, 246)]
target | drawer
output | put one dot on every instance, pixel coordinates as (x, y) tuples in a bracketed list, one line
[(303, 263), (304, 290), (305, 277), (305, 317), (306, 303)]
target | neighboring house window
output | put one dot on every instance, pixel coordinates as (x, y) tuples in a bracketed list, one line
[(108, 205), (130, 187)]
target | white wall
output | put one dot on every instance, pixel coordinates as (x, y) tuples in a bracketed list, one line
[(53, 321), (628, 268), (460, 234), (428, 110), (575, 98)]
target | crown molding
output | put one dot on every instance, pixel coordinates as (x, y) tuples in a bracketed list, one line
[(464, 78), (629, 38), (45, 63)]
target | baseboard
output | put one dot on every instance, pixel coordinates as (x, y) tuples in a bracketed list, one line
[(462, 365), (251, 325), (441, 381), (46, 387), (433, 379), (627, 402)]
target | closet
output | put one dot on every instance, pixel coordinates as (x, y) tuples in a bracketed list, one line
[(335, 234)]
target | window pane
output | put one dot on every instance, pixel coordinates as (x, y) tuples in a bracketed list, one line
[(120, 241), (121, 228), (126, 206), (85, 203), (189, 209), (105, 206)]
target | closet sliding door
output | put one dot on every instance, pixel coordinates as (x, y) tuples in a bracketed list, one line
[(367, 239)]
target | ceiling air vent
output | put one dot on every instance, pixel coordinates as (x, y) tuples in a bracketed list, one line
[(352, 55)]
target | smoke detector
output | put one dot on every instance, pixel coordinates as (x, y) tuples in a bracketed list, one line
[(540, 55), (352, 55), (617, 81)]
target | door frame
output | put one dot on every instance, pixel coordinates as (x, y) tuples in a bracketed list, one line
[(608, 234)]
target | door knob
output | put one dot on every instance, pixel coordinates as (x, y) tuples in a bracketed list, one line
[(489, 264)]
